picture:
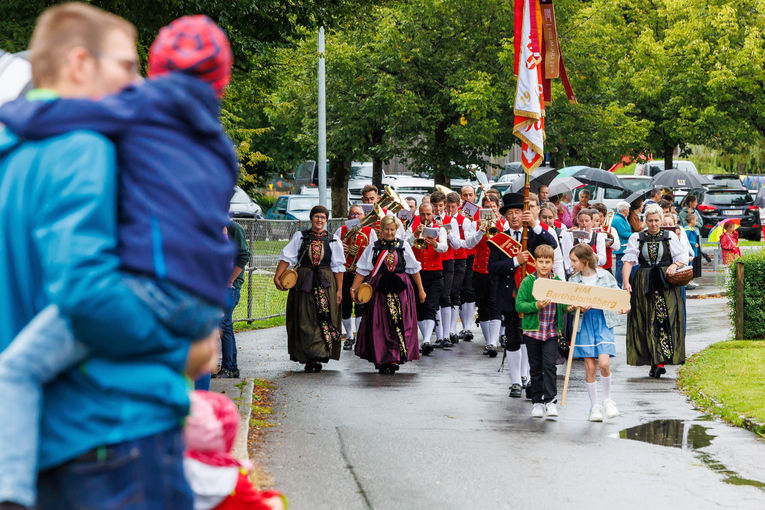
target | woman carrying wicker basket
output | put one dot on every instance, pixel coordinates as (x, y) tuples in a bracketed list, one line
[(313, 303), (656, 321), (387, 335)]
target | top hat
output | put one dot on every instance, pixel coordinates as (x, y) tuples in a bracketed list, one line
[(511, 201)]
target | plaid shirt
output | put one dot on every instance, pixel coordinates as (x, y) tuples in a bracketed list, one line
[(548, 323)]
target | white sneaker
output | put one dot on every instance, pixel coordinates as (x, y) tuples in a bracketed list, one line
[(611, 410), (596, 414), (538, 410), (551, 409)]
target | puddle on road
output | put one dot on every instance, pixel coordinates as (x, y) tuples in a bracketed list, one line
[(687, 436)]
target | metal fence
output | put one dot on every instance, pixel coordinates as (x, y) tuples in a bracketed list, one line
[(259, 298)]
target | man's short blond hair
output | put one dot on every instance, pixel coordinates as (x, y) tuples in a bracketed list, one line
[(63, 27)]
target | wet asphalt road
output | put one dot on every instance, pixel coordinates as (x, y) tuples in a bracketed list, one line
[(442, 433)]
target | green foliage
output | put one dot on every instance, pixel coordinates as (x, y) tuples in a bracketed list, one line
[(754, 293), (728, 379)]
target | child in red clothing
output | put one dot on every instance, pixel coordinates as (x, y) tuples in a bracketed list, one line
[(219, 481), (729, 243)]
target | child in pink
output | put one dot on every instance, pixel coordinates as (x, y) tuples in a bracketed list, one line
[(219, 481), (729, 243)]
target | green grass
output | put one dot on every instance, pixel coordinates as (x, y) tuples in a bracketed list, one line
[(267, 301), (728, 379)]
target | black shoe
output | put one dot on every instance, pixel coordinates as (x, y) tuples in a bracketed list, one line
[(348, 344), (528, 392), (394, 367), (438, 343), (455, 339), (486, 350), (515, 391), (524, 383), (492, 351), (660, 371), (468, 337), (225, 373), (502, 341), (386, 370), (313, 366), (446, 342), (652, 372), (427, 348)]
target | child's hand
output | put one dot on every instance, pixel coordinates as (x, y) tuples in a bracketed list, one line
[(623, 311), (542, 303), (571, 308), (585, 308)]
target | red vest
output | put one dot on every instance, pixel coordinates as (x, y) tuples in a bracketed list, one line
[(460, 254), (609, 256), (428, 257), (481, 261), (362, 241)]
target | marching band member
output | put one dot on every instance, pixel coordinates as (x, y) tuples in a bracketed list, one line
[(388, 333), (596, 242), (600, 220), (313, 304), (505, 260), (457, 240), (467, 295), (443, 326), (354, 242), (548, 216), (485, 287), (427, 250)]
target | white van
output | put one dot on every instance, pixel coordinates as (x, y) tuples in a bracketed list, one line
[(651, 168)]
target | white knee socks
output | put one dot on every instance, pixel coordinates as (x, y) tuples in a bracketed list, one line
[(592, 390), (606, 382), (426, 329), (358, 323), (525, 371), (486, 330), (446, 321), (455, 317), (439, 324), (496, 331), (514, 366), (348, 326), (467, 312)]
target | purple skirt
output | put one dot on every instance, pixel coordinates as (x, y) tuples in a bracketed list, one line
[(378, 340)]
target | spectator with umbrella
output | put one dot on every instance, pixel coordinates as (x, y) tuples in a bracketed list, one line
[(725, 233)]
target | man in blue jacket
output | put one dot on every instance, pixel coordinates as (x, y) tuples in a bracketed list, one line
[(110, 427), (623, 229)]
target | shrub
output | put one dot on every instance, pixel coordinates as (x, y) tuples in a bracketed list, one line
[(754, 294), (265, 202)]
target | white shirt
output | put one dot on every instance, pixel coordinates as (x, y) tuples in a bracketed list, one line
[(476, 234), (442, 245), (558, 268), (366, 265), (372, 235), (678, 251), (565, 245), (600, 246), (291, 251), (616, 244)]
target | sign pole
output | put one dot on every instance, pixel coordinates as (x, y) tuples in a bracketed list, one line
[(570, 357)]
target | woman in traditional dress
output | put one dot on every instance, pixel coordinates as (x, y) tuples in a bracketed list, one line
[(656, 321), (313, 304), (387, 336)]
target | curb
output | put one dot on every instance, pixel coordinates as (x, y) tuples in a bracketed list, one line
[(719, 294), (240, 392)]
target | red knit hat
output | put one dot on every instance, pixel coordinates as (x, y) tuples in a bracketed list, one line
[(194, 45)]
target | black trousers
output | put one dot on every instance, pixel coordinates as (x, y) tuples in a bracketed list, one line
[(542, 357), (467, 294), (348, 305), (513, 331), (459, 276), (446, 294), (433, 283), (486, 297)]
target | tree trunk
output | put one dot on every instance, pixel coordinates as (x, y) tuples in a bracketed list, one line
[(441, 172), (377, 170), (339, 170), (669, 151)]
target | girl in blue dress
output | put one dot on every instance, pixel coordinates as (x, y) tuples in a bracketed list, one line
[(595, 336)]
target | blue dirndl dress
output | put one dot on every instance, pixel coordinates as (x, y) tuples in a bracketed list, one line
[(594, 338)]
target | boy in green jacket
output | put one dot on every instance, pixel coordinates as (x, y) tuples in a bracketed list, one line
[(542, 321)]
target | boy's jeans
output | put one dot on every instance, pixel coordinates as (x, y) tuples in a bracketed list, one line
[(46, 347), (227, 339)]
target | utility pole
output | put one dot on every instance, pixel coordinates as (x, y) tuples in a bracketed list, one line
[(322, 160)]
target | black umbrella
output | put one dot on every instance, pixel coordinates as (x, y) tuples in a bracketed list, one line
[(638, 195), (542, 176), (598, 177), (677, 179), (759, 200)]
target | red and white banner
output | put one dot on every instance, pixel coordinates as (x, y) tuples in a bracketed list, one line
[(529, 105)]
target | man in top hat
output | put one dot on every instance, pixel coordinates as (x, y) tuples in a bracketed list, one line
[(504, 267)]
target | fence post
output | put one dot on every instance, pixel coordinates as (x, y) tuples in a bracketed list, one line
[(739, 300)]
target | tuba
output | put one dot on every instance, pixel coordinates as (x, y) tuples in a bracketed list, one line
[(355, 238), (392, 200)]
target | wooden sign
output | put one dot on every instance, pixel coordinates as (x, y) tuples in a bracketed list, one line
[(578, 294)]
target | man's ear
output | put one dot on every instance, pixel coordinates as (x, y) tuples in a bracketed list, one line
[(80, 67)]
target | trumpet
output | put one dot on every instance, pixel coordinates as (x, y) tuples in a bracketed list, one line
[(420, 243), (607, 225)]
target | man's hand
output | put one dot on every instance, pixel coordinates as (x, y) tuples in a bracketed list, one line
[(528, 218), (431, 241), (418, 230), (423, 295), (203, 355), (523, 257)]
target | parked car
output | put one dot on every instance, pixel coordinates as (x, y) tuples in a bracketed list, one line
[(294, 207), (242, 206), (361, 175), (307, 175), (611, 197), (651, 168), (718, 204), (727, 181)]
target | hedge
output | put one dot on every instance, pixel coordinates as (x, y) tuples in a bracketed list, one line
[(754, 294)]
